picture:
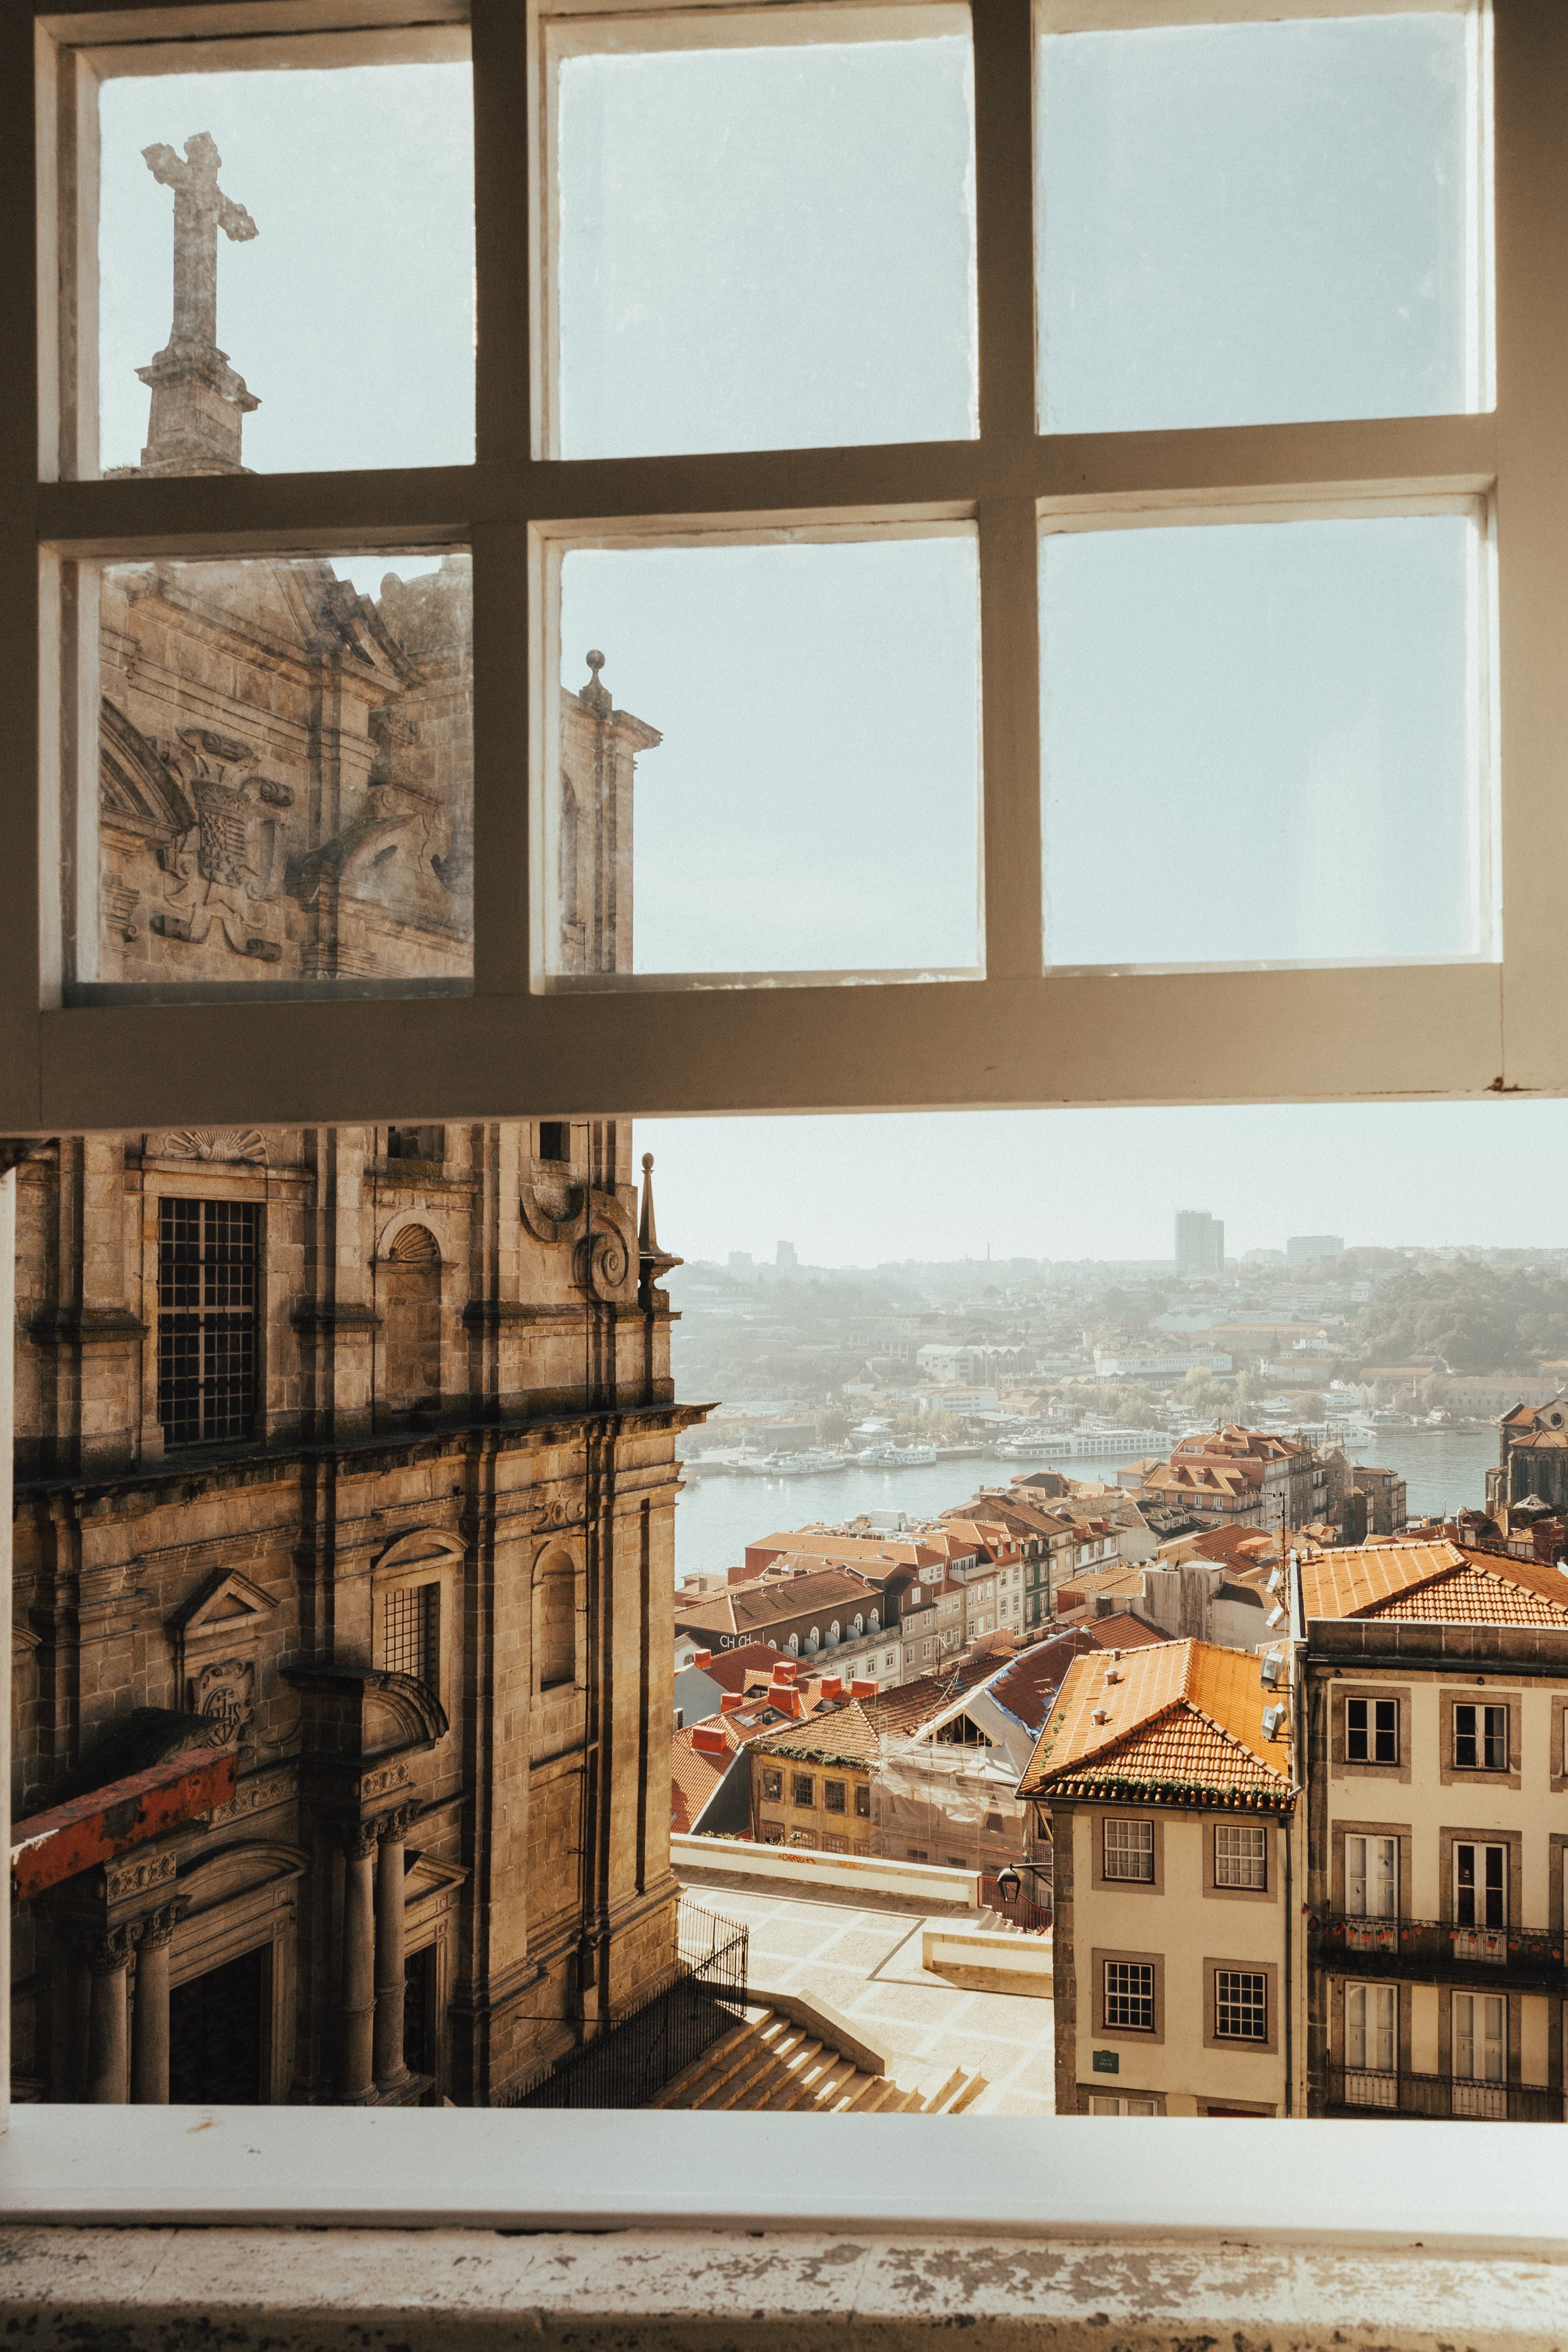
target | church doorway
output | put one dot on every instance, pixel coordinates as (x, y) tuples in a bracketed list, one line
[(215, 2039)]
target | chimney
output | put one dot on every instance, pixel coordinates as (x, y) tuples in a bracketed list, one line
[(863, 1687), (785, 1671), (708, 1740), (730, 1701), (832, 1685), (703, 1658)]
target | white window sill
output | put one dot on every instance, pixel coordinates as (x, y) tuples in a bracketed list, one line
[(1502, 2189)]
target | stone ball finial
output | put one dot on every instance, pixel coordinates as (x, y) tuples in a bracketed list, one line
[(647, 1164), (595, 662)]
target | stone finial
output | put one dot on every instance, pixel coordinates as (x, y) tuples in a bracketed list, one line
[(647, 1237), (199, 402), (596, 694)]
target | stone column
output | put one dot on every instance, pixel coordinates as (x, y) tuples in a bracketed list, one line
[(108, 1957), (150, 2018), (390, 2068), (358, 2087)]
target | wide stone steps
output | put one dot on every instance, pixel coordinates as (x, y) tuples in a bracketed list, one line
[(769, 2065)]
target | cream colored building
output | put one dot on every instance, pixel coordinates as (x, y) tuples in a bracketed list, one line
[(1163, 1779), (1435, 1687)]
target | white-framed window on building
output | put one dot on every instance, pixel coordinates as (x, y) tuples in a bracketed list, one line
[(1241, 2005), (1480, 1739), (1371, 1876), (1480, 2055), (1100, 2104), (1240, 1855), (1372, 2045), (1129, 1851), (1481, 1884), (1130, 1996)]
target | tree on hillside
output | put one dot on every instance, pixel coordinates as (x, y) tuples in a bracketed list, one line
[(1476, 1319)]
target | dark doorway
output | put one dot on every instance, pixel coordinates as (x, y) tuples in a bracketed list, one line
[(420, 2011), (215, 2036)]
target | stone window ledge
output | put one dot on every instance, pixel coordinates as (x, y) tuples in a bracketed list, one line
[(308, 2291), (1491, 2191)]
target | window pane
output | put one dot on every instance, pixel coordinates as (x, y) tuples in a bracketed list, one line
[(1240, 223), (1219, 700), (317, 230), (283, 791), (764, 248), (805, 788)]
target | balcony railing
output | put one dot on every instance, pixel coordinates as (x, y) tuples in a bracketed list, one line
[(1359, 2090), (1441, 1948)]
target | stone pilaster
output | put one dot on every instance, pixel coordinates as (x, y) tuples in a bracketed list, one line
[(109, 1958), (392, 1829), (150, 2022), (357, 2081)]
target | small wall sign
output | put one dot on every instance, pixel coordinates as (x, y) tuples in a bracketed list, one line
[(1106, 2062)]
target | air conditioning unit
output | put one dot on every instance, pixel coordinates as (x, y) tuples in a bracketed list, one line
[(1273, 1721)]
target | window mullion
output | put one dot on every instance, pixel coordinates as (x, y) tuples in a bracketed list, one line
[(503, 387), (504, 676)]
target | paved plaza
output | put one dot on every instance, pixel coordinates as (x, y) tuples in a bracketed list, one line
[(866, 1963)]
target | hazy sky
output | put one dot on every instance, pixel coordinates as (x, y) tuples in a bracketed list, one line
[(1107, 1183)]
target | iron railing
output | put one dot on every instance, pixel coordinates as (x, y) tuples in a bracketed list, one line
[(696, 2000), (1361, 2091), (1440, 1947)]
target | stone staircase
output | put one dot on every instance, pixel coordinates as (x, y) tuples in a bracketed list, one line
[(772, 2066)]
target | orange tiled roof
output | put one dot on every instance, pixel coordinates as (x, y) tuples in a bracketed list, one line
[(694, 1775), (1183, 1719), (1440, 1583)]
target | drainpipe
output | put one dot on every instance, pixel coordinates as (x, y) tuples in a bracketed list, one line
[(1298, 1763)]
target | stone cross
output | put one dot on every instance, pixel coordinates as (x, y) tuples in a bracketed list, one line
[(201, 209)]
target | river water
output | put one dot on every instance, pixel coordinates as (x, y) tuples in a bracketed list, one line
[(716, 1517)]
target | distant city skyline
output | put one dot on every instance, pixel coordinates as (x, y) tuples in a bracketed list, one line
[(1065, 1184)]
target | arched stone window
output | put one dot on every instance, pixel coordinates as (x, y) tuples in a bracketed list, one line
[(833, 1633), (792, 1645), (874, 1622), (814, 1639), (555, 1619), (858, 1623), (411, 1320)]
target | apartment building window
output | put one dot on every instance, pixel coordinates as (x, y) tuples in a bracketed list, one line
[(1372, 1877), (834, 1842), (410, 1634), (1371, 1730), (802, 1789), (1480, 1885), (1100, 2104), (1129, 1995), (1480, 2055), (833, 1797), (207, 1295), (803, 1837), (555, 1139), (1240, 1855), (773, 1787), (862, 1801), (773, 1833), (1372, 2044), (1241, 2005), (1480, 1739), (1130, 1851)]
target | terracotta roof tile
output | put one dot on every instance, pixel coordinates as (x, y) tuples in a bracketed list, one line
[(1437, 1584), (694, 1775), (1180, 1712)]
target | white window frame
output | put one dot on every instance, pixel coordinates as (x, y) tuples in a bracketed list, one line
[(1017, 1036)]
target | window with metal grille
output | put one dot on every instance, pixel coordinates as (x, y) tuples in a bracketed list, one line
[(1240, 1855), (1240, 2005), (1130, 1850), (206, 1319), (1129, 1995), (410, 1634)]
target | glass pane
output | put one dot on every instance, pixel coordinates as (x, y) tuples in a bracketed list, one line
[(285, 267), (1265, 742), (284, 788), (805, 753), (765, 247), (1240, 223)]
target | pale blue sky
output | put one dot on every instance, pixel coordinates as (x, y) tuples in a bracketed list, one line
[(1107, 1183)]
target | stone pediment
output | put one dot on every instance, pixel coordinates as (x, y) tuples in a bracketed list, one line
[(136, 790), (224, 1605)]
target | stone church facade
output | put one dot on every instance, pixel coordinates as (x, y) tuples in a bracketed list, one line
[(351, 1449)]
